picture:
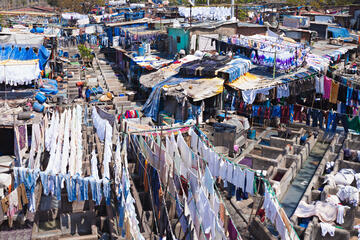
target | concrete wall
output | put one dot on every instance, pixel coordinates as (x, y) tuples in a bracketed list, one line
[(181, 38), (281, 142), (249, 31), (284, 182), (225, 30), (340, 234), (258, 230), (351, 144), (262, 163)]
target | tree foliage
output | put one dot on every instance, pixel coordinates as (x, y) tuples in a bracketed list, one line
[(81, 6), (85, 52), (319, 4)]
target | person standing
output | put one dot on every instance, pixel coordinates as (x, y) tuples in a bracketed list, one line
[(87, 94)]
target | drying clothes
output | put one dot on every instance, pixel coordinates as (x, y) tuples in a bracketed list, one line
[(66, 147), (327, 87), (57, 159), (281, 228), (194, 140), (22, 196), (284, 114), (99, 124), (239, 178), (326, 212), (349, 194), (334, 92), (229, 172), (13, 203), (283, 90), (249, 182), (250, 95), (233, 235), (333, 199), (222, 170), (94, 167), (342, 93), (276, 112), (208, 181), (184, 151), (349, 94), (327, 228), (319, 84), (107, 150), (36, 145), (341, 213), (354, 123)]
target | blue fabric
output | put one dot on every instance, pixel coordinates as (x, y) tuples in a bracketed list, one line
[(58, 180), (117, 31), (98, 192), (291, 111), (238, 67), (30, 55), (109, 33), (107, 191), (44, 55), (44, 181), (231, 190), (121, 208), (5, 53), (331, 118), (155, 187), (339, 32), (276, 111), (15, 54), (152, 104), (349, 96), (68, 187)]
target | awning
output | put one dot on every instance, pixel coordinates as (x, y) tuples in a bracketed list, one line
[(151, 79), (22, 39), (198, 89), (250, 81)]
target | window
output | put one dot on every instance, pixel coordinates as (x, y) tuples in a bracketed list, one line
[(178, 39)]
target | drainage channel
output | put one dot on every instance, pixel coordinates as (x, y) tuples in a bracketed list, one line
[(298, 187)]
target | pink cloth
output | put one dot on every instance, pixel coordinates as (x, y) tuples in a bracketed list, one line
[(327, 87)]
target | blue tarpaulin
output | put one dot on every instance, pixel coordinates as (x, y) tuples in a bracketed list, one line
[(23, 54), (37, 30), (44, 55), (151, 107), (339, 32)]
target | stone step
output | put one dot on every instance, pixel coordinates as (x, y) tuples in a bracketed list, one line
[(83, 237)]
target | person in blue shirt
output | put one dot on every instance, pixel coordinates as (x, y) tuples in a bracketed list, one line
[(87, 94)]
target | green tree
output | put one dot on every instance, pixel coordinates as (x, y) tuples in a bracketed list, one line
[(81, 6)]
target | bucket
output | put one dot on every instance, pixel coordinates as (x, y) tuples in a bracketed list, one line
[(141, 51), (252, 134), (40, 97), (38, 107)]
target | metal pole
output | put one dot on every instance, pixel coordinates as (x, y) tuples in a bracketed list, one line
[(190, 13), (232, 8)]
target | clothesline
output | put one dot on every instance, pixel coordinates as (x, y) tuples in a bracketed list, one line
[(249, 169), (147, 175), (218, 193), (252, 48), (283, 83), (350, 115)]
